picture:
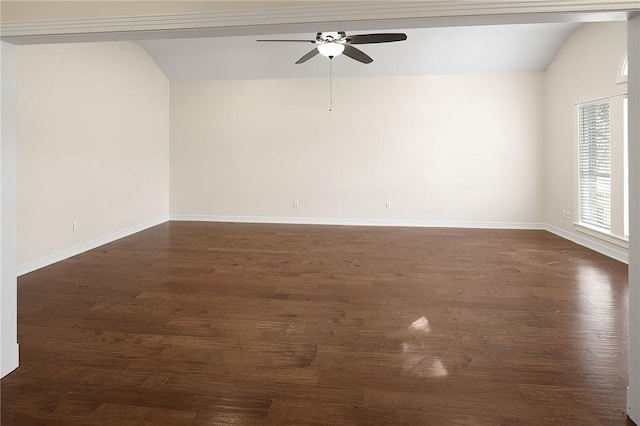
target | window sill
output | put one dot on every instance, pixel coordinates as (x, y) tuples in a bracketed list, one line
[(603, 235)]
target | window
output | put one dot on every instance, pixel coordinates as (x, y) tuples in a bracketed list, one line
[(603, 171), (594, 164)]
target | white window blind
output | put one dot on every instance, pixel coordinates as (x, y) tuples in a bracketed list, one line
[(594, 141)]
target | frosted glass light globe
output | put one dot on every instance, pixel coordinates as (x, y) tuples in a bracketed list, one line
[(330, 50)]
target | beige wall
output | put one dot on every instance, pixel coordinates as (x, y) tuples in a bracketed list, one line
[(460, 148), (93, 144), (586, 67)]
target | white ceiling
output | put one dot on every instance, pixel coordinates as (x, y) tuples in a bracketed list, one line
[(471, 49)]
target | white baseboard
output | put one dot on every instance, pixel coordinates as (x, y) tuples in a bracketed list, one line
[(358, 222), (41, 262), (10, 359), (619, 254)]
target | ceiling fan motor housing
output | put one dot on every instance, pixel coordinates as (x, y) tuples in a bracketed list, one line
[(331, 37)]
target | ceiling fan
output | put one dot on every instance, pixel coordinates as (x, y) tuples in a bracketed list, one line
[(332, 44)]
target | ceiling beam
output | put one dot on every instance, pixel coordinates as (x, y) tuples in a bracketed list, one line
[(307, 17)]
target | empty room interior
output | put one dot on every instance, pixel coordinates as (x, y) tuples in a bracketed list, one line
[(198, 230)]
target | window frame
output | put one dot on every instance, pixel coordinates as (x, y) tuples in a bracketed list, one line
[(604, 235)]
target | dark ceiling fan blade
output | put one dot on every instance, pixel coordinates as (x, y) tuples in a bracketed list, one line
[(291, 41), (308, 56), (376, 38), (357, 54)]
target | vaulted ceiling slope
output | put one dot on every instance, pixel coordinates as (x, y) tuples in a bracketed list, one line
[(477, 49)]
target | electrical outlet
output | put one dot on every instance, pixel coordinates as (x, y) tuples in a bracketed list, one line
[(75, 226), (296, 204), (387, 205)]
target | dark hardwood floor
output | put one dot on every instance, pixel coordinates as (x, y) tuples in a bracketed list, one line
[(201, 323)]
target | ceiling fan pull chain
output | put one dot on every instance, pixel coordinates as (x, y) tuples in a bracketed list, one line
[(330, 84)]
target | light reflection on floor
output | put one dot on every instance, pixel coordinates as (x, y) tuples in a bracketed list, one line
[(598, 303), (421, 324), (417, 359), (595, 287)]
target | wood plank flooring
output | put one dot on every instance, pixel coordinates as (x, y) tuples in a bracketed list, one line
[(193, 323)]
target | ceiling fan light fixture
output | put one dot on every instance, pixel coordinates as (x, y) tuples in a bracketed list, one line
[(330, 50)]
